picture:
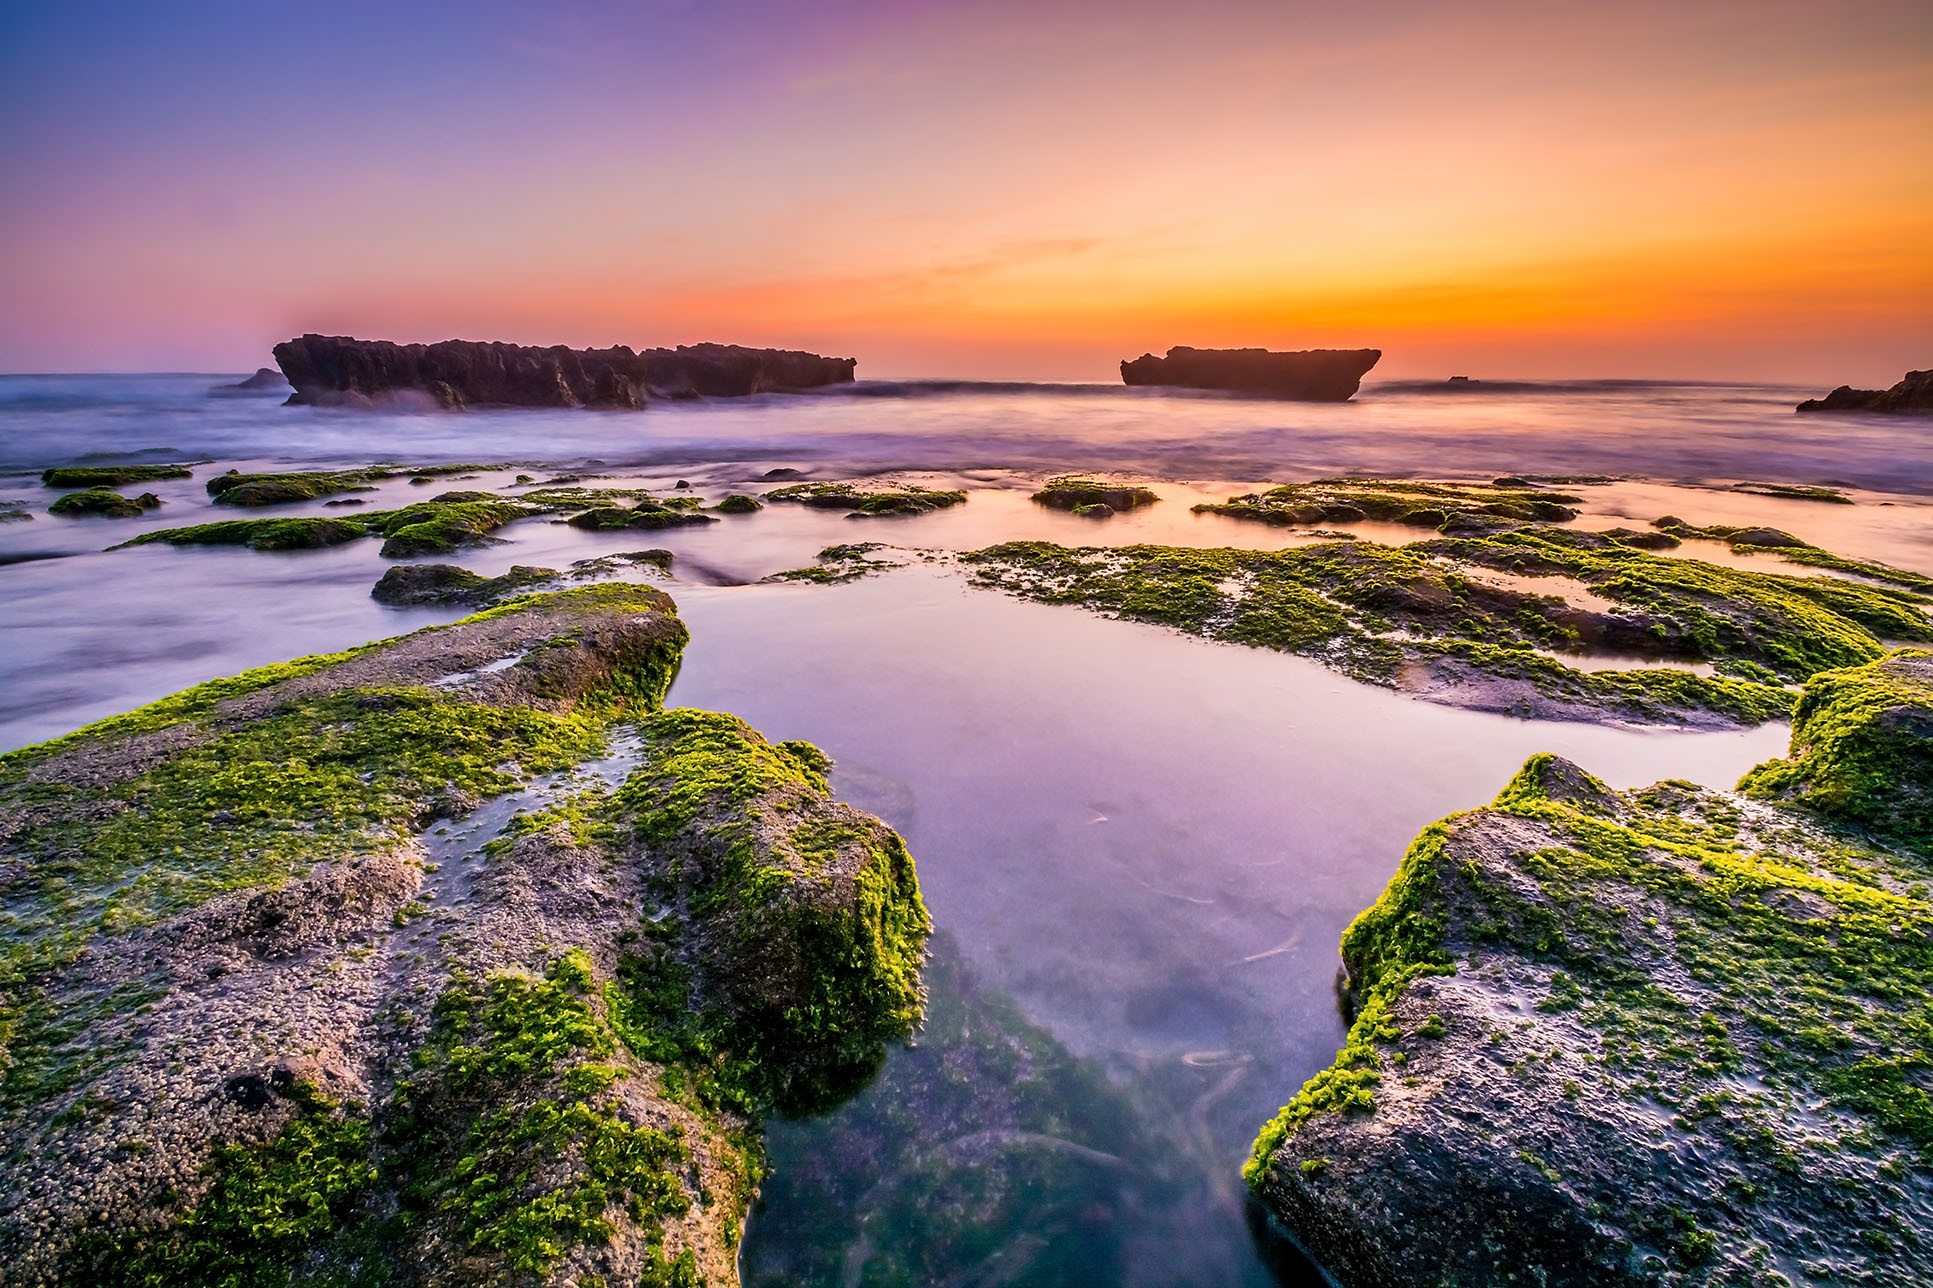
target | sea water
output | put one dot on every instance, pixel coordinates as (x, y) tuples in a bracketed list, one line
[(1140, 849)]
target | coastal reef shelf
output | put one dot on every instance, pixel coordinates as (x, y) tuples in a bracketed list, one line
[(452, 374), (453, 958), (1665, 1036), (1504, 609), (1308, 375)]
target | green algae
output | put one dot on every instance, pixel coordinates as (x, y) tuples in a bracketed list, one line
[(104, 502), (1862, 750), (237, 488), (838, 564), (1418, 504), (1078, 493), (1368, 608), (863, 502), (1795, 492), (1776, 541), (268, 1204), (225, 805), (647, 515), (1769, 985), (412, 584), (436, 527), (512, 1129), (439, 527), (259, 534), (111, 476), (750, 834)]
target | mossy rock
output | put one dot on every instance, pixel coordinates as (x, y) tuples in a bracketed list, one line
[(425, 528), (111, 476), (1618, 1038), (1862, 750), (1081, 495), (648, 516), (105, 503), (739, 503), (866, 503), (237, 488), (254, 1036), (408, 585), (1462, 619), (1417, 504), (259, 534)]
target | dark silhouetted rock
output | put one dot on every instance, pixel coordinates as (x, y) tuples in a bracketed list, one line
[(1912, 396), (1313, 375), (339, 371)]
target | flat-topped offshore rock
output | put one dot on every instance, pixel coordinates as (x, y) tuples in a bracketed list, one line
[(264, 1023), (1312, 375), (340, 371), (1912, 396), (1666, 1036)]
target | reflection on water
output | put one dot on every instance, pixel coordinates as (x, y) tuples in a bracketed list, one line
[(1149, 842)]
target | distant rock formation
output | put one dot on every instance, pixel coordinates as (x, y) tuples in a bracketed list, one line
[(1912, 396), (1312, 375), (452, 374), (265, 380)]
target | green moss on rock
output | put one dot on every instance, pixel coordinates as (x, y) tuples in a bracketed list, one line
[(1457, 616), (866, 503), (1419, 504), (104, 502), (111, 476), (1076, 493), (793, 887), (1862, 749), (1639, 1034)]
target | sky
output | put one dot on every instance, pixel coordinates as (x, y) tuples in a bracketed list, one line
[(1704, 190)]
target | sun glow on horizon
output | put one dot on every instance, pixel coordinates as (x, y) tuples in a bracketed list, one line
[(1742, 191)]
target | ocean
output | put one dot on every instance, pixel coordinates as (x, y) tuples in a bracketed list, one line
[(1139, 848)]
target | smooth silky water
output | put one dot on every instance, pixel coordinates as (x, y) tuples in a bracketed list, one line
[(1140, 848)]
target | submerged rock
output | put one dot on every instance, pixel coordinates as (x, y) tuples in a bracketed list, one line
[(1071, 492), (109, 476), (417, 584), (1912, 396), (338, 370), (1661, 1036), (867, 502), (259, 1025), (105, 502), (1312, 375), (265, 380), (1487, 618)]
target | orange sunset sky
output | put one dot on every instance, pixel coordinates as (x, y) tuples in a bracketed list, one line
[(1010, 191)]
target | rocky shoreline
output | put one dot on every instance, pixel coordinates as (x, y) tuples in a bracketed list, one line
[(266, 1019), (1668, 1036)]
